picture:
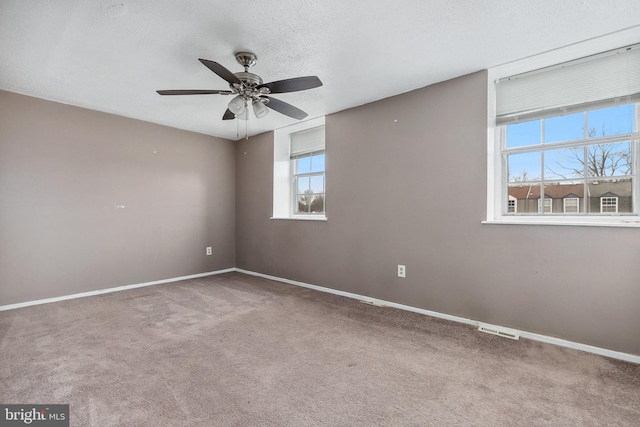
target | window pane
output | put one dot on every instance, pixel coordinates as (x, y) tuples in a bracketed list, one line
[(303, 164), (564, 163), (611, 121), (523, 167), (317, 163), (311, 203), (317, 204), (609, 159), (304, 203), (564, 128), (303, 184), (524, 198), (525, 133), (610, 196), (557, 195), (317, 184)]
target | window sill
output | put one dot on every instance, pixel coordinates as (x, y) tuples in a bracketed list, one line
[(302, 218), (629, 221)]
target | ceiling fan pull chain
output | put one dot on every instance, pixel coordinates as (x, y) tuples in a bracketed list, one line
[(246, 123)]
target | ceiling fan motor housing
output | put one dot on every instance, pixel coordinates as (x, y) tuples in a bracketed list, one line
[(249, 79)]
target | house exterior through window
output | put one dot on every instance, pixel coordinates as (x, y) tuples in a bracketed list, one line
[(548, 205), (567, 138), (308, 182), (571, 204), (609, 204)]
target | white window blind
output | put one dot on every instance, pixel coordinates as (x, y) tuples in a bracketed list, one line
[(307, 141), (592, 82)]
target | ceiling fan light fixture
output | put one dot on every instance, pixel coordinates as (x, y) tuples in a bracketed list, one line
[(259, 109), (244, 115), (236, 105)]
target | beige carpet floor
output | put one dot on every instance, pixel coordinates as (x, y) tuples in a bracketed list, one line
[(236, 350)]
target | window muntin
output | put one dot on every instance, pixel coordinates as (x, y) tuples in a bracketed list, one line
[(309, 183), (560, 160)]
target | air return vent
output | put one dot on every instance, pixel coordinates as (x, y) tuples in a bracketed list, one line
[(498, 330)]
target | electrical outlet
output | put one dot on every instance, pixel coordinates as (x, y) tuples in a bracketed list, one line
[(209, 250), (402, 270)]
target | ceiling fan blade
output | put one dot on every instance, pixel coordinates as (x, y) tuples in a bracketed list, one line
[(194, 92), (228, 115), (221, 71), (292, 85), (285, 108)]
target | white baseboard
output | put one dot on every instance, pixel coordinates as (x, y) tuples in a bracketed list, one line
[(370, 300), (108, 290), (378, 302), (523, 334)]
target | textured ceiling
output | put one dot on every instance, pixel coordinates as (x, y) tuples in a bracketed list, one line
[(113, 55)]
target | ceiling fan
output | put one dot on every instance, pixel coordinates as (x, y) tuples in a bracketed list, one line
[(250, 90)]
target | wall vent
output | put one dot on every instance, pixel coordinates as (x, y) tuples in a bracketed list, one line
[(500, 331)]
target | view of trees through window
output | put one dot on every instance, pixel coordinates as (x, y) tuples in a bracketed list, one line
[(584, 158), (309, 176)]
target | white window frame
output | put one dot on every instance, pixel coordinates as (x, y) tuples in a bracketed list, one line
[(608, 198), (495, 163), (577, 206), (282, 172)]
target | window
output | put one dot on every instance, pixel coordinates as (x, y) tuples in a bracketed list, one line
[(299, 186), (308, 182), (547, 205), (576, 153), (571, 205), (566, 132), (608, 204)]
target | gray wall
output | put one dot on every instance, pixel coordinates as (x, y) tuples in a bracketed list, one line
[(63, 171), (392, 190)]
